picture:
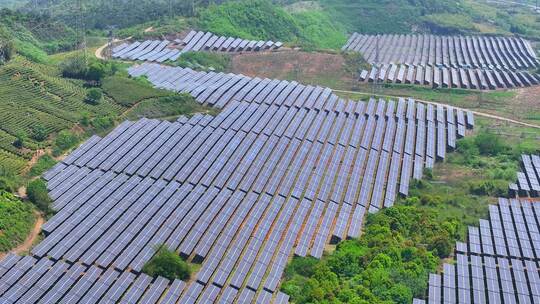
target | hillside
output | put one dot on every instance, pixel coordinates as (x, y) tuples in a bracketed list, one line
[(35, 97), (36, 35)]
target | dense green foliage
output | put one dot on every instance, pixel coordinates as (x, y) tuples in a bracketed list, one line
[(250, 19), (43, 164), (16, 219), (94, 70), (94, 96), (387, 16), (7, 48), (117, 13), (205, 61), (168, 264), (389, 264), (262, 20), (34, 35), (64, 141), (38, 195)]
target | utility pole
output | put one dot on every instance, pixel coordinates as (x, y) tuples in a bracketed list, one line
[(82, 29), (377, 67)]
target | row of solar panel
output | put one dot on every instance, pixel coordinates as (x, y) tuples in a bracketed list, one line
[(109, 218), (528, 181), (498, 264), (487, 52), (30, 280), (149, 50), (450, 77), (206, 41)]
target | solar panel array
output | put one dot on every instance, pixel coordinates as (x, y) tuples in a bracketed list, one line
[(499, 262), (206, 41), (149, 50), (486, 52), (30, 280), (443, 77), (528, 180), (284, 169)]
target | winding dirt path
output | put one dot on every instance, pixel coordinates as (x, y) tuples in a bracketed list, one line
[(440, 103), (30, 240), (99, 52)]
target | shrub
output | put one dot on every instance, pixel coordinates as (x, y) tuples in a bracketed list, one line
[(38, 195), (64, 141), (77, 67), (489, 144), (39, 133), (168, 264), (74, 67), (20, 139), (7, 48), (94, 96), (102, 123), (43, 164), (490, 187)]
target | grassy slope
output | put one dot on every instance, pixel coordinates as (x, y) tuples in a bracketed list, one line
[(260, 20), (34, 95)]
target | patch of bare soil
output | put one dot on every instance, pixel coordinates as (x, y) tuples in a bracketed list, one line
[(526, 103), (308, 68)]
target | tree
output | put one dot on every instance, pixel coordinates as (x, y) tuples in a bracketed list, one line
[(39, 132), (93, 96), (96, 71), (7, 48), (74, 67), (65, 140), (168, 264), (489, 144), (20, 139), (38, 195)]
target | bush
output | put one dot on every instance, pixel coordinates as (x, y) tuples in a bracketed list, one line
[(38, 195), (74, 67), (43, 164), (489, 144), (7, 48), (64, 141), (94, 96), (77, 67), (20, 139), (102, 123), (39, 133), (494, 188), (168, 264)]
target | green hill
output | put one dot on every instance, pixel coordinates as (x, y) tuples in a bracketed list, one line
[(34, 96)]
